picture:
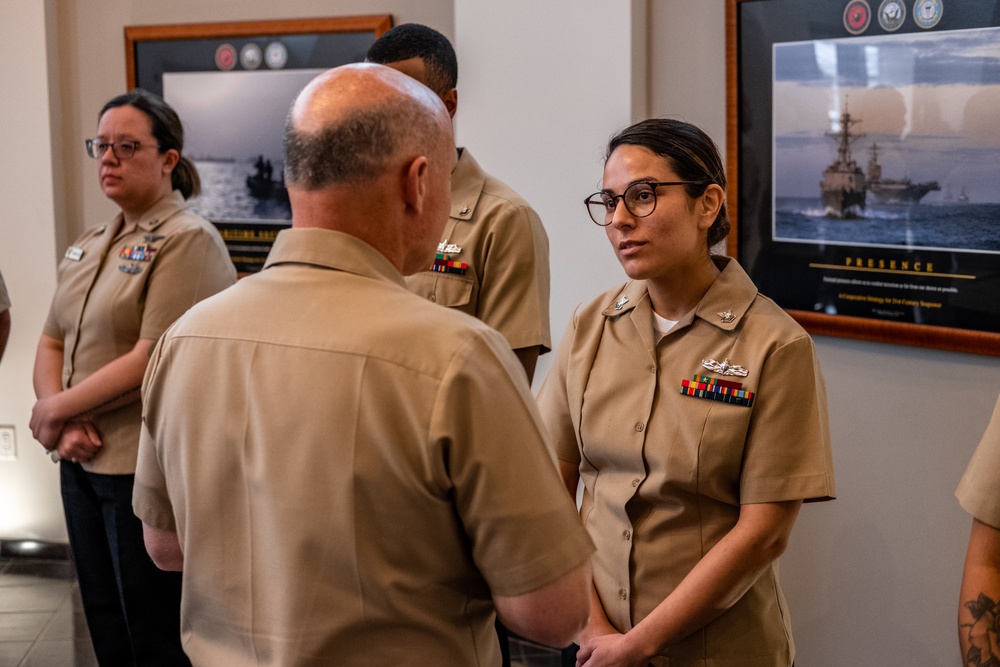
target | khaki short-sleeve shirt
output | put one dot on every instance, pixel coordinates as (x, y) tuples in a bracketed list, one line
[(493, 260), (979, 489), (4, 299), (665, 472), (350, 470), (118, 284)]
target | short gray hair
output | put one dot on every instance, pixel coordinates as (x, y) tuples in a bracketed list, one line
[(358, 146)]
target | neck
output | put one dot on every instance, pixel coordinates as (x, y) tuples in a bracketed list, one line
[(674, 295), (133, 211)]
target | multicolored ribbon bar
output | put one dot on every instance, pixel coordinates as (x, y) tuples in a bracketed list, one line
[(444, 264), (717, 390), (138, 253)]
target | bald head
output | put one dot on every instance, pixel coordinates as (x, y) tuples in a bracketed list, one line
[(353, 123)]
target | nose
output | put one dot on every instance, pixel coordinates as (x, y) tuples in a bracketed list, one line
[(622, 217), (109, 157)]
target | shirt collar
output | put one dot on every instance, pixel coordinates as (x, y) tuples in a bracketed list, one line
[(724, 304), (467, 181), (329, 249)]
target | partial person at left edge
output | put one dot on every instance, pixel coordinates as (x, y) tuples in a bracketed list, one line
[(120, 286), (4, 317), (979, 599)]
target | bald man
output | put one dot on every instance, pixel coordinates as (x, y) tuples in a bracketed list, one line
[(346, 473)]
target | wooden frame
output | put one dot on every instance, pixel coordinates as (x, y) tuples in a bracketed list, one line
[(909, 291), (232, 85)]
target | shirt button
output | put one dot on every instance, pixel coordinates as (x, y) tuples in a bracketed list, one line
[(433, 298), (635, 482), (639, 426), (622, 594), (652, 369), (626, 535)]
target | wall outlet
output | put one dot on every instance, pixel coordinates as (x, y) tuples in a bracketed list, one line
[(8, 444)]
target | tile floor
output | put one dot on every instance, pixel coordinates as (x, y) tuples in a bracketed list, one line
[(42, 622)]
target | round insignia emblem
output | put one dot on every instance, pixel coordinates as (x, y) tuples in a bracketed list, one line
[(276, 55), (891, 14), (225, 57), (927, 13), (250, 56), (857, 16)]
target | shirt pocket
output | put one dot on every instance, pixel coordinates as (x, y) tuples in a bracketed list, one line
[(444, 290)]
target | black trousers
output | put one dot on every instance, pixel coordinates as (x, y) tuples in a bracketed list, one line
[(132, 607)]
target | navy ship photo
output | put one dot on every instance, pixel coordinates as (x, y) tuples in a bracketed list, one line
[(890, 191), (843, 186)]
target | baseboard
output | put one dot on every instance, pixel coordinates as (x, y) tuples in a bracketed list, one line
[(34, 549)]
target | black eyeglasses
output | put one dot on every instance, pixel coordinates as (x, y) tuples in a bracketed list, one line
[(122, 150), (639, 198)]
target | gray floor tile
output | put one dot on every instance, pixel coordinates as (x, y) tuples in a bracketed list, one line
[(77, 653), (11, 653), (43, 597), (66, 624), (22, 627)]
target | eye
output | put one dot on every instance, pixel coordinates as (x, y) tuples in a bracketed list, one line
[(641, 195), (126, 146), (609, 202)]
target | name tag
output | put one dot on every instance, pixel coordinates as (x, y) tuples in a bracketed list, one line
[(74, 253)]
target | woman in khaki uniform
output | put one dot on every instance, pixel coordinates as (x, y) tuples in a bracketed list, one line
[(120, 286), (694, 411)]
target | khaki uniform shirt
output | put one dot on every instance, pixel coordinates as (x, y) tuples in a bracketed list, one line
[(118, 284), (979, 490), (350, 470), (4, 299), (500, 240), (665, 474)]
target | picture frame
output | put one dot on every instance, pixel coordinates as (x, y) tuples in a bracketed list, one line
[(864, 179), (232, 85)]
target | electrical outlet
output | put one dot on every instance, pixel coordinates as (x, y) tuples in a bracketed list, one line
[(8, 444)]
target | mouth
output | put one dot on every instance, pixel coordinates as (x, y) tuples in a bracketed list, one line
[(628, 247)]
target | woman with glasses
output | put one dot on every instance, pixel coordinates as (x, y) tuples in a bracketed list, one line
[(693, 410), (119, 287)]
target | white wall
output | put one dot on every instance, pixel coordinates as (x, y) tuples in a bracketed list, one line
[(29, 502)]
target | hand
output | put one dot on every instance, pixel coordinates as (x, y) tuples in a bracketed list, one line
[(79, 442), (612, 650), (46, 421)]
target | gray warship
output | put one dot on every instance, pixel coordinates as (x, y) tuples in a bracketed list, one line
[(891, 191), (843, 186)]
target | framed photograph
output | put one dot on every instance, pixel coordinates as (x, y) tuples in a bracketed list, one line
[(864, 165), (232, 85)]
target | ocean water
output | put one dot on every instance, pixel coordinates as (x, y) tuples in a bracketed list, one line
[(225, 198), (948, 226)]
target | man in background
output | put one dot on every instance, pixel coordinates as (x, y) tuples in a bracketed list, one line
[(346, 473), (493, 257)]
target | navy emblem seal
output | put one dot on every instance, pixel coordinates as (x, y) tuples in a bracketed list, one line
[(891, 14)]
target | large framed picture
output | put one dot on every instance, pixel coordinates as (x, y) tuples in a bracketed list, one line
[(864, 165), (232, 85)]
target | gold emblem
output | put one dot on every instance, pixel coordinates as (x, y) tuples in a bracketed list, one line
[(725, 368), (726, 316)]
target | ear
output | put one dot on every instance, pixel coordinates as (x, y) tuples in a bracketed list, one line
[(450, 100), (170, 160), (415, 184), (709, 204)]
